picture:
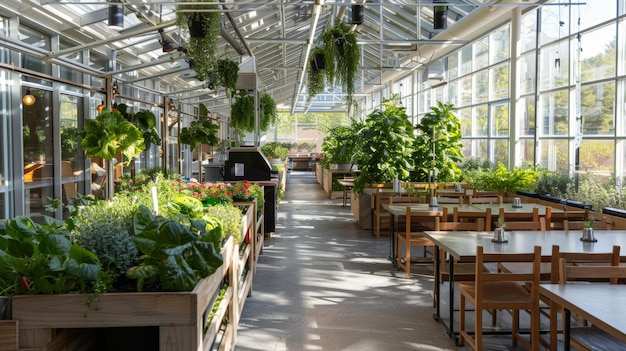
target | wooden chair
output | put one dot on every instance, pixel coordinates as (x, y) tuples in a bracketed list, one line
[(580, 260), (413, 236), (462, 271), (380, 217), (486, 200), (524, 220), (501, 291), (558, 219), (450, 200), (603, 223), (471, 216), (588, 338), (97, 186)]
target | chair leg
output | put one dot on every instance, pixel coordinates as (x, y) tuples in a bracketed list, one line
[(515, 326), (407, 260), (462, 322)]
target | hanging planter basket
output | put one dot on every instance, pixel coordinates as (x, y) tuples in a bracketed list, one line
[(318, 63)]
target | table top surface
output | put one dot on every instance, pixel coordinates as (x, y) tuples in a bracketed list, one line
[(462, 244), (603, 305)]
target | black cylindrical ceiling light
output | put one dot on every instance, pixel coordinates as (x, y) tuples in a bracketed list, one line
[(166, 44), (440, 17), (357, 14), (116, 17)]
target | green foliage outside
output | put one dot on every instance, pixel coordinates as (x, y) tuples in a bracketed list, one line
[(274, 150)]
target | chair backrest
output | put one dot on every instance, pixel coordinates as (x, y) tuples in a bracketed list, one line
[(450, 200), (486, 200), (601, 224), (419, 221), (381, 198), (487, 193), (407, 199), (568, 272), (530, 276), (471, 216), (523, 220), (479, 225), (558, 220), (581, 259)]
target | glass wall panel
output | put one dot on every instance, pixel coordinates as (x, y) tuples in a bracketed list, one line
[(527, 119), (453, 93), (72, 160), (597, 103), (500, 120), (554, 66), (598, 54), (528, 31), (555, 23), (465, 91), (621, 47), (37, 39), (501, 151), (6, 141), (465, 64), (481, 121), (499, 45), (482, 149), (38, 153), (453, 66), (527, 150), (499, 81), (465, 119), (593, 13), (480, 49), (481, 86), (554, 154), (526, 73), (554, 113), (597, 156)]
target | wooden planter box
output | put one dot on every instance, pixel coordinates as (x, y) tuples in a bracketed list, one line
[(173, 321)]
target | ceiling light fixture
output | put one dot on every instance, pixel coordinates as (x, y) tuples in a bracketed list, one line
[(166, 44), (171, 105), (116, 17), (116, 91), (191, 62), (28, 99), (357, 14)]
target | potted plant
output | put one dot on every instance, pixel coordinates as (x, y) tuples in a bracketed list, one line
[(341, 56), (146, 122), (276, 152), (316, 72), (385, 151), (227, 73), (340, 146), (268, 112), (200, 132), (438, 148), (204, 31)]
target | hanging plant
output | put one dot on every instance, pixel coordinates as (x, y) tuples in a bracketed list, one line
[(227, 73), (145, 121), (268, 111), (242, 112), (200, 132), (201, 48), (341, 54), (316, 72), (110, 133)]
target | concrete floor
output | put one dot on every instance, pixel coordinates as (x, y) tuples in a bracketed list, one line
[(323, 283)]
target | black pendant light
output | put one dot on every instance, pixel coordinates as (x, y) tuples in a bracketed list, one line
[(116, 17), (166, 44), (357, 14), (440, 17)]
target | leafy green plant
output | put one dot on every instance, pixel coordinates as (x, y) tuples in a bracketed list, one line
[(341, 56), (229, 216), (227, 73), (386, 146), (145, 121), (274, 150), (268, 111), (511, 181), (589, 223), (110, 133), (200, 132), (106, 229), (341, 143), (242, 112), (438, 148), (41, 259), (174, 255), (552, 183)]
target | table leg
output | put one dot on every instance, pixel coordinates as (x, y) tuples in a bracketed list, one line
[(392, 241), (566, 329)]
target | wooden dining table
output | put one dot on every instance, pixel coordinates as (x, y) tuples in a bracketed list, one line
[(602, 305), (461, 246)]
